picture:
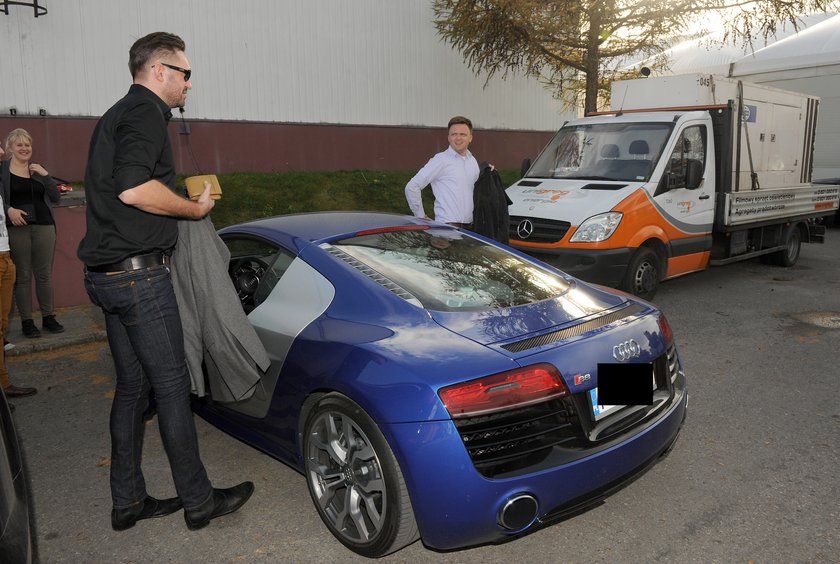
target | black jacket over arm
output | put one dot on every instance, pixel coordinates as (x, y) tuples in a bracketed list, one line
[(490, 213)]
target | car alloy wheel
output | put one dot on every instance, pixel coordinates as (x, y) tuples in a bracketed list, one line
[(355, 481)]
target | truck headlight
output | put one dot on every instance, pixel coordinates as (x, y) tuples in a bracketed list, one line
[(597, 228)]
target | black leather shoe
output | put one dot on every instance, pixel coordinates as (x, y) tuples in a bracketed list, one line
[(19, 391), (222, 502), (126, 517)]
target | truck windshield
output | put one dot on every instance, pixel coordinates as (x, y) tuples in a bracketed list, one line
[(603, 151)]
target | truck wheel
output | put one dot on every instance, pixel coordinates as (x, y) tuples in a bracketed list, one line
[(793, 244), (642, 275)]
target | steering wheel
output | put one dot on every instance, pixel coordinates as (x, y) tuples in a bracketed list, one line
[(246, 274)]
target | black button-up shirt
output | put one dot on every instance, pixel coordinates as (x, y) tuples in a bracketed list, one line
[(130, 146)]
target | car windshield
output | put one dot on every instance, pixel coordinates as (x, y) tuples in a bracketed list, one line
[(603, 151), (447, 270)]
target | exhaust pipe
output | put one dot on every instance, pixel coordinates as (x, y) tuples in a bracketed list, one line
[(518, 512)]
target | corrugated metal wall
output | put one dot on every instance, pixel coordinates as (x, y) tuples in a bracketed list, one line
[(295, 61)]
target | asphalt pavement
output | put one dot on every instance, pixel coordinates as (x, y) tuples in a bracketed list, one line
[(752, 478)]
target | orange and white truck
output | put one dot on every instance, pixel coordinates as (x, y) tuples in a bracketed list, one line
[(683, 172)]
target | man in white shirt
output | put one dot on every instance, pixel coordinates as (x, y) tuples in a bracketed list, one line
[(452, 174)]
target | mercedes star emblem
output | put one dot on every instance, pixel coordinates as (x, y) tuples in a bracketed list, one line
[(525, 229)]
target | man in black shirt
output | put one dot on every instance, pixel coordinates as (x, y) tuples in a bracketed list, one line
[(132, 211)]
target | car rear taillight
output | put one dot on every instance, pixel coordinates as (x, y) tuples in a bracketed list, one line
[(505, 390), (665, 327)]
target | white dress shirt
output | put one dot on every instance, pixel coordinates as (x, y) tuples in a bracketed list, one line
[(452, 177)]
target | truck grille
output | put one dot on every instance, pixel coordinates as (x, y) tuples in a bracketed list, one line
[(543, 230)]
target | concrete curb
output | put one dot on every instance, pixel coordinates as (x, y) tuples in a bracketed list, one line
[(82, 324)]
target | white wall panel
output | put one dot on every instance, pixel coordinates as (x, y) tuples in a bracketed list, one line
[(303, 61), (822, 81)]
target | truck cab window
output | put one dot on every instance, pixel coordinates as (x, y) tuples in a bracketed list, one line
[(612, 151), (691, 145)]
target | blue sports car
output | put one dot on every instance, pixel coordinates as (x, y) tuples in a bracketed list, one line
[(432, 384)]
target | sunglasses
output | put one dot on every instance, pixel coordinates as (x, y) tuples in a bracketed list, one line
[(187, 72)]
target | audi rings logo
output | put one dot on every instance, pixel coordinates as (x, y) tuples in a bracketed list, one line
[(626, 350), (525, 229)]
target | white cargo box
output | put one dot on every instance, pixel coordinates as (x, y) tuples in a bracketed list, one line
[(777, 126), (689, 90)]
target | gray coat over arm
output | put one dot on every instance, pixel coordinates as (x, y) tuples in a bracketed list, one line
[(216, 329)]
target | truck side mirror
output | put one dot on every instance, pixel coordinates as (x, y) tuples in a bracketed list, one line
[(693, 174), (526, 164)]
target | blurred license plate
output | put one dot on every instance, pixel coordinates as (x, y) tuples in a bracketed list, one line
[(601, 411)]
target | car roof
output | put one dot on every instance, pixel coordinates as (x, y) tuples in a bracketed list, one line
[(296, 229)]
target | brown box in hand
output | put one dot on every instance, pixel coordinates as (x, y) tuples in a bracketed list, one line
[(195, 186)]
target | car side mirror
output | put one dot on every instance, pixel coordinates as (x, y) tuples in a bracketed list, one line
[(526, 164), (693, 174)]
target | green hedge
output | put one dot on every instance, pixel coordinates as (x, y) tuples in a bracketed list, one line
[(247, 196)]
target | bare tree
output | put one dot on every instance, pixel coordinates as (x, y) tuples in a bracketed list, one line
[(574, 45)]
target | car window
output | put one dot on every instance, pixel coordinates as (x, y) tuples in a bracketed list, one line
[(449, 270), (249, 246), (272, 276), (255, 268)]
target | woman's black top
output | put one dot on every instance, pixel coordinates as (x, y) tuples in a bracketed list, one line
[(28, 196)]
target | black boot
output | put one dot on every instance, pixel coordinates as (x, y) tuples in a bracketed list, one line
[(221, 502), (48, 323), (29, 329)]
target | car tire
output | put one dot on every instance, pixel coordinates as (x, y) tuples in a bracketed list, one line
[(355, 481), (643, 273), (792, 240)]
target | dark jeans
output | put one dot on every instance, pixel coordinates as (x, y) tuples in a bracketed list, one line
[(146, 340)]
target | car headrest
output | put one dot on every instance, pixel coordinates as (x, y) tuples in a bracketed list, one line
[(609, 151), (639, 147)]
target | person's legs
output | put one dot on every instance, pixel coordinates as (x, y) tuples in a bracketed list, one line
[(146, 338), (43, 251), (20, 242), (131, 396), (7, 282)]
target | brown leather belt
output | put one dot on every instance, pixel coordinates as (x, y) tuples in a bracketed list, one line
[(137, 262), (462, 225)]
